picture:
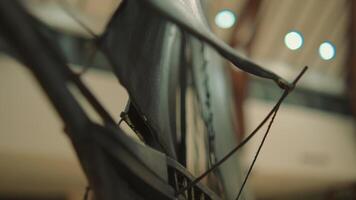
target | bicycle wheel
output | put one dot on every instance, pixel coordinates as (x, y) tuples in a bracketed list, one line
[(214, 93), (155, 55)]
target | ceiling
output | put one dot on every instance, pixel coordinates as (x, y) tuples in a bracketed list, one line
[(317, 21)]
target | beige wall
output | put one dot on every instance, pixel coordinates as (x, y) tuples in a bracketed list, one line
[(307, 150)]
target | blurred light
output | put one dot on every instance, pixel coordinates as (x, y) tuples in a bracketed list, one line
[(225, 19), (293, 40), (327, 50)]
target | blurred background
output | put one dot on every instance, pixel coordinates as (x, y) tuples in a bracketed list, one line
[(311, 151)]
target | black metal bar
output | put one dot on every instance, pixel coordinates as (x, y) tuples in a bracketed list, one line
[(36, 53)]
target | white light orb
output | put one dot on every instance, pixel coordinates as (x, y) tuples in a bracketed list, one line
[(327, 50), (293, 40), (225, 19)]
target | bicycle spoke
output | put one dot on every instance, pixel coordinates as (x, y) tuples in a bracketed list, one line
[(228, 155), (265, 135), (257, 153)]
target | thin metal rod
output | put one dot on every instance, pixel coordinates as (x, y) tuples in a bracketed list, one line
[(228, 155), (265, 135), (257, 153), (94, 102)]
